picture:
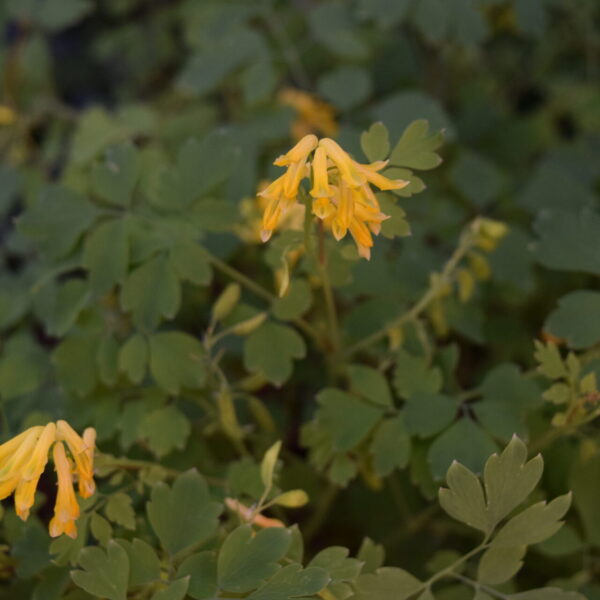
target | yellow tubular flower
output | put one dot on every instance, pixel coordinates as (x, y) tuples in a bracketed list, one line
[(78, 449), (299, 152), (346, 166), (87, 485), (66, 509), (30, 476), (344, 213), (362, 236), (10, 473), (370, 173), (320, 187)]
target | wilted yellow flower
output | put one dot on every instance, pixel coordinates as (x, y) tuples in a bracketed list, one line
[(248, 515), (341, 191), (314, 115), (24, 458)]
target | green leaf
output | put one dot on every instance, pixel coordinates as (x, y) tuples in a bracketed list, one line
[(477, 178), (114, 179), (106, 254), (396, 225), (144, 564), (550, 362), (370, 384), (334, 560), (331, 25), (427, 414), (346, 87), (415, 149), (535, 524), (57, 220), (246, 558), (176, 361), (464, 442), (175, 591), (101, 529), (183, 515), (165, 429), (133, 358), (498, 565), (119, 510), (60, 306), (271, 349), (371, 555), (375, 142), (509, 479), (585, 483), (150, 292), (346, 418), (23, 367), (104, 574), (576, 319), (387, 583), (390, 446), (190, 261), (201, 166), (342, 469), (75, 360), (202, 570), (569, 241), (463, 500), (413, 375), (295, 303), (292, 582), (30, 550), (107, 359)]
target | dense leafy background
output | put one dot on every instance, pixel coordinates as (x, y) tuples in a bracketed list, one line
[(139, 134)]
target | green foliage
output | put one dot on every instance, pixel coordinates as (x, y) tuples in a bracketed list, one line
[(307, 384)]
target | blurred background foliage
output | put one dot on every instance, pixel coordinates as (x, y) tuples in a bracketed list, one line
[(134, 135)]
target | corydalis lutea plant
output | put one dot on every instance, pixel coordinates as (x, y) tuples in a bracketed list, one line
[(261, 559)]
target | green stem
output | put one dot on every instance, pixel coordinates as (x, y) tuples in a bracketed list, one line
[(480, 586), (319, 516), (259, 290), (449, 571), (430, 295)]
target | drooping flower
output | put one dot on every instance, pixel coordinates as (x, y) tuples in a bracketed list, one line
[(66, 509), (23, 459), (341, 191)]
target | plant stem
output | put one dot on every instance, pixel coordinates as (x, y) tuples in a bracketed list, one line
[(480, 586), (421, 304), (259, 290), (320, 514), (449, 571)]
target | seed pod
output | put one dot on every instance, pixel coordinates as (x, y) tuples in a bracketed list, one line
[(226, 301), (249, 325)]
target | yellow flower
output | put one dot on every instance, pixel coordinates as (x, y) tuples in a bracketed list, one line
[(66, 509), (341, 191), (32, 471), (82, 453), (24, 458), (314, 115)]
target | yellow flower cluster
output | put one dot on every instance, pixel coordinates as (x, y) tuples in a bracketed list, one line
[(23, 460), (341, 191)]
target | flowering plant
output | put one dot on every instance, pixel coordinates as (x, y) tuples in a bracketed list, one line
[(298, 300)]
